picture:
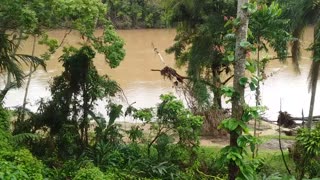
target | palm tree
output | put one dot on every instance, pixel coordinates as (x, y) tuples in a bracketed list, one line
[(17, 19), (10, 62), (303, 13)]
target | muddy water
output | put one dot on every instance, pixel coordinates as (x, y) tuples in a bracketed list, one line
[(143, 86)]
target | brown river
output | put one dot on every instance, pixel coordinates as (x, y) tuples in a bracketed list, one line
[(143, 86)]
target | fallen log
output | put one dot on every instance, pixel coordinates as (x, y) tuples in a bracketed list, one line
[(315, 118)]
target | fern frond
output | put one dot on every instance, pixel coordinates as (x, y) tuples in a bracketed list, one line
[(20, 138)]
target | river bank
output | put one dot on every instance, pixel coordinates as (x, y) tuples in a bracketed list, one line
[(267, 132)]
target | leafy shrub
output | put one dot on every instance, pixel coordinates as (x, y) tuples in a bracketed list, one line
[(69, 169), (92, 173), (4, 128), (306, 152), (10, 171), (20, 164), (278, 176), (68, 142)]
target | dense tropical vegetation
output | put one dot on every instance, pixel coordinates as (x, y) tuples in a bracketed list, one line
[(137, 13), (217, 40)]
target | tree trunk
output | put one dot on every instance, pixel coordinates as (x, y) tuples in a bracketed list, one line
[(313, 94), (314, 74), (21, 115), (217, 101), (239, 72)]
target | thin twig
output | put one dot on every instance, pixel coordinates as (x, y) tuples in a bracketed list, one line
[(302, 118), (159, 54), (227, 80), (275, 58), (64, 37)]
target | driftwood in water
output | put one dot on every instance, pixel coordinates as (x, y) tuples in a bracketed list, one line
[(285, 120), (171, 74)]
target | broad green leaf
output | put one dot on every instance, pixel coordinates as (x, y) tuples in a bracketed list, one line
[(228, 91), (250, 67), (230, 124), (230, 58), (245, 44), (252, 8), (243, 81), (252, 86)]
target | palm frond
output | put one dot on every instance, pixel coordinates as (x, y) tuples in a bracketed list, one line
[(315, 66), (10, 66), (20, 138), (301, 14), (32, 60), (11, 63), (8, 63), (296, 48)]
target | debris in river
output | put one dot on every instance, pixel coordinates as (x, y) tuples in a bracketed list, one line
[(285, 120)]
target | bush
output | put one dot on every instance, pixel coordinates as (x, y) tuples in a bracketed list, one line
[(306, 153), (4, 129), (20, 165), (92, 173)]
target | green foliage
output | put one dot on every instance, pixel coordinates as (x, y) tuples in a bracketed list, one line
[(114, 112), (68, 169), (278, 176), (272, 167), (268, 26), (137, 13), (238, 154), (4, 128), (232, 124), (172, 119), (20, 19), (306, 152), (228, 91), (161, 145), (81, 14), (309, 140), (20, 164), (19, 15), (204, 42), (144, 115), (110, 45), (246, 45), (68, 142), (10, 171), (74, 94), (30, 18), (199, 44), (89, 173), (135, 133), (10, 61), (172, 113), (23, 137), (250, 7)]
